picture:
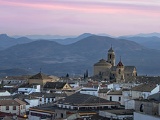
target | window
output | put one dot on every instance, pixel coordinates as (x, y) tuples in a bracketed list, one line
[(14, 107), (119, 99), (119, 71), (110, 56), (110, 98), (35, 87), (141, 108), (7, 107), (24, 107), (61, 115)]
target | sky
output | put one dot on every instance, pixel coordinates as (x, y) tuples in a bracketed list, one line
[(74, 17)]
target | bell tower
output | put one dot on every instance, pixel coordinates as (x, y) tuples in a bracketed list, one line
[(120, 72), (111, 56)]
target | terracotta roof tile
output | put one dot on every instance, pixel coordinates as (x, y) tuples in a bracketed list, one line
[(120, 64), (144, 87), (85, 99), (115, 92), (54, 85), (40, 76)]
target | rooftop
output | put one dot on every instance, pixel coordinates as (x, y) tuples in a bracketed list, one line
[(120, 111), (54, 85), (103, 62), (144, 87), (85, 99), (8, 103), (115, 92), (103, 90), (40, 76)]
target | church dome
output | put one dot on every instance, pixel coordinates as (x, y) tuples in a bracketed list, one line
[(103, 62)]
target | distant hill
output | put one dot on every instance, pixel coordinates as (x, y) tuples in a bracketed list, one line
[(76, 58), (6, 41), (64, 40), (14, 71), (46, 37), (68, 41), (154, 34), (150, 42)]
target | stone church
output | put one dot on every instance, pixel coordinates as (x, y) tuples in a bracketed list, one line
[(107, 70)]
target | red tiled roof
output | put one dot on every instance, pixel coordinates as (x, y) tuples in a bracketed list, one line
[(120, 64)]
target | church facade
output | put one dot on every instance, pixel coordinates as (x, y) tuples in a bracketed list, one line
[(108, 70)]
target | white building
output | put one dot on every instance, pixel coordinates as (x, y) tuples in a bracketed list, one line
[(126, 93), (32, 102), (116, 114), (130, 104), (4, 93), (74, 84), (142, 116), (144, 90), (89, 91), (114, 86), (15, 106), (30, 89), (115, 95)]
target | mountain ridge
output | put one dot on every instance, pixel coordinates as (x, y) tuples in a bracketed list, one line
[(75, 58)]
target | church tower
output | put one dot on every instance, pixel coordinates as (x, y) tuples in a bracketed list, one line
[(111, 56), (120, 72)]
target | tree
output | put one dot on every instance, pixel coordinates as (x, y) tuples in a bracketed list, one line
[(67, 75), (86, 74)]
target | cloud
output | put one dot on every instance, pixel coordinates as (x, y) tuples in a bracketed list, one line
[(90, 6), (79, 15)]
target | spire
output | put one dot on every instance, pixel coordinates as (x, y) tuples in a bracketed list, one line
[(111, 50), (120, 64), (40, 70)]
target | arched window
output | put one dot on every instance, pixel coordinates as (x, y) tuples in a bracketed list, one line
[(110, 56), (119, 71), (141, 108)]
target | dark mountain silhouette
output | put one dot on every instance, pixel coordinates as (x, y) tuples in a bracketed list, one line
[(64, 40), (6, 41), (14, 71), (47, 37), (76, 58)]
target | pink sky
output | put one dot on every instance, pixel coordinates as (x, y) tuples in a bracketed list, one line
[(74, 17)]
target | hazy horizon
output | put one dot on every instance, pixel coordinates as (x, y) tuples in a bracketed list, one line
[(72, 35)]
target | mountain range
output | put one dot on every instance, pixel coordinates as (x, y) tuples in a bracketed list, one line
[(75, 57), (152, 42), (6, 41)]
